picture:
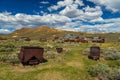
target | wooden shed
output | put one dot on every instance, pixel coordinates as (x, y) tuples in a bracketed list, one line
[(31, 55), (94, 52)]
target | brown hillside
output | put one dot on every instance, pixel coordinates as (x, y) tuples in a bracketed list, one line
[(47, 32), (42, 31)]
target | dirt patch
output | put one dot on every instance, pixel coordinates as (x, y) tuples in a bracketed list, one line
[(23, 69), (75, 64), (50, 76)]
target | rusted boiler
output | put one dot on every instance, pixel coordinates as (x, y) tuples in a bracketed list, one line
[(59, 50), (94, 52), (31, 55)]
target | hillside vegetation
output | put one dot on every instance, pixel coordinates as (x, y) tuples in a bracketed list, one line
[(72, 64), (40, 32), (49, 33)]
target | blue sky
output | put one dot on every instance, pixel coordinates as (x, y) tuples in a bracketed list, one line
[(71, 15)]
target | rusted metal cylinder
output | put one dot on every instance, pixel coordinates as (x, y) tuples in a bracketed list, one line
[(94, 52), (59, 50), (31, 55)]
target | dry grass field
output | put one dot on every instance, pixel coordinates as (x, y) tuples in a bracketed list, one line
[(72, 64)]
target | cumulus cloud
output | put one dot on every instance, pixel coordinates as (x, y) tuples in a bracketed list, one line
[(93, 14), (107, 25), (71, 11), (23, 20), (87, 14), (99, 19), (4, 31), (113, 5), (70, 26), (65, 3), (70, 18), (60, 21), (79, 2)]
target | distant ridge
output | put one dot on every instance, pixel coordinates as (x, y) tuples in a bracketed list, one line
[(49, 33), (39, 32)]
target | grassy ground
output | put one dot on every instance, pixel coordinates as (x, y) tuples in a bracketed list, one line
[(71, 65)]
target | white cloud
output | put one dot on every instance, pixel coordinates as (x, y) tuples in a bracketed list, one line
[(99, 19), (4, 31), (60, 4), (23, 20), (113, 5), (44, 2), (79, 2), (65, 3), (71, 11), (71, 18), (93, 14), (87, 14), (60, 22), (95, 28), (108, 25), (43, 13), (70, 26)]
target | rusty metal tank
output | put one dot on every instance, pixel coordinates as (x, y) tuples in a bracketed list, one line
[(59, 50), (31, 55), (94, 52)]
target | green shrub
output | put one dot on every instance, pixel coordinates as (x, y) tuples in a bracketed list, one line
[(104, 72), (115, 63), (114, 74), (7, 46), (50, 55), (12, 58), (110, 54), (86, 51), (67, 51), (114, 56), (98, 69)]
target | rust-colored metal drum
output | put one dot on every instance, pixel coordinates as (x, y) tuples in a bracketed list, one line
[(94, 52), (59, 50), (31, 55)]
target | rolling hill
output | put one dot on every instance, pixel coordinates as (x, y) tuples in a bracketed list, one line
[(40, 32), (47, 32)]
